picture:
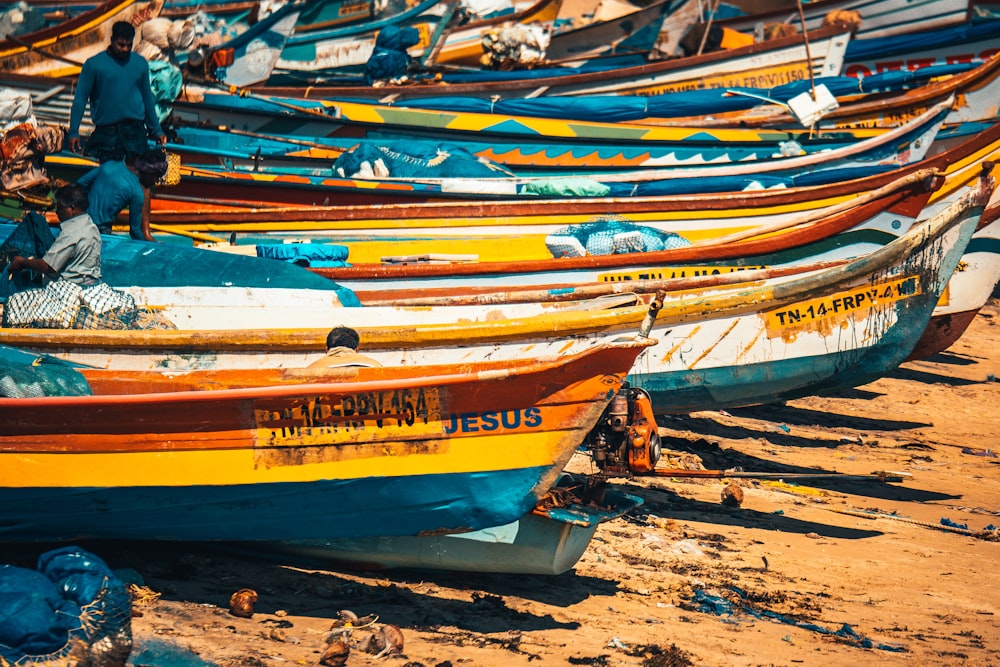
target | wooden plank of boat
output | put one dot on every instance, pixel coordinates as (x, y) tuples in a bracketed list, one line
[(274, 455), (60, 50)]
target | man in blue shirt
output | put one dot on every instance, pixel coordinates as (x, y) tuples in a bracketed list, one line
[(116, 84), (113, 187)]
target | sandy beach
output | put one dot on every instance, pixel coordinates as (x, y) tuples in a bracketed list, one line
[(819, 572)]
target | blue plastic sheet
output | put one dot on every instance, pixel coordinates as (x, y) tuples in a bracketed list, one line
[(306, 254)]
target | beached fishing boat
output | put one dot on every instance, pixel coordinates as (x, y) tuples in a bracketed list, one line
[(250, 57), (840, 232), (278, 454), (124, 262), (879, 18), (517, 230), (971, 286), (279, 187), (633, 33), (572, 146), (462, 45), (971, 41), (748, 340), (766, 64), (351, 46), (975, 90), (61, 50), (687, 169)]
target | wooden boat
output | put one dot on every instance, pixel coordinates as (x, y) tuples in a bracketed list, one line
[(277, 454), (250, 57), (636, 32), (168, 265), (749, 340), (62, 49), (461, 228), (837, 232), (318, 118), (892, 147), (462, 45), (818, 345), (544, 541), (966, 42), (976, 92), (765, 64), (879, 18), (350, 46), (970, 287)]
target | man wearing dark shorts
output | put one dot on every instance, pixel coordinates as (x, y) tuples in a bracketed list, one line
[(116, 84)]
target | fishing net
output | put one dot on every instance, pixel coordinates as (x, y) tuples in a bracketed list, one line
[(65, 305), (27, 375), (610, 235), (70, 612), (30, 238)]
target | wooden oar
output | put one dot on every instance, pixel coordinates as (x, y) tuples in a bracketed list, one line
[(183, 232)]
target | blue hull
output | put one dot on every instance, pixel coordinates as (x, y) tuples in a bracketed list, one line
[(376, 506)]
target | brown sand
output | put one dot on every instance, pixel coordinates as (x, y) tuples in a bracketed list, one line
[(794, 551)]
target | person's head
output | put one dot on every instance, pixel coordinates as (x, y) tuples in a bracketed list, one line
[(122, 37), (342, 337), (70, 200), (150, 166)]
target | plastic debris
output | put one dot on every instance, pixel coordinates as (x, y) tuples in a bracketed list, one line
[(687, 547), (945, 521), (979, 452), (714, 604)]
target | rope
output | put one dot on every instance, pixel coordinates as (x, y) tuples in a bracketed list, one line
[(868, 514)]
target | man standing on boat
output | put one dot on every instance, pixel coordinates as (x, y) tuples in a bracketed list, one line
[(116, 84)]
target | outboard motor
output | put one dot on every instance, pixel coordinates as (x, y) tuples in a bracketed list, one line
[(626, 439)]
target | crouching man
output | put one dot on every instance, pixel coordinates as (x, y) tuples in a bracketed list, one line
[(74, 297)]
